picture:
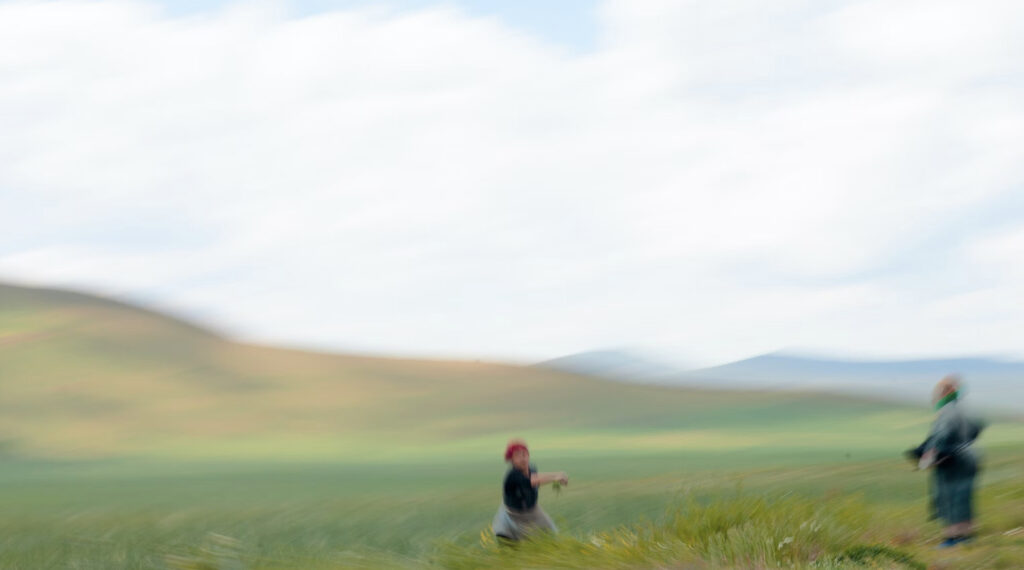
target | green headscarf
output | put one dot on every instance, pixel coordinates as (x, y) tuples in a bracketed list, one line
[(947, 399)]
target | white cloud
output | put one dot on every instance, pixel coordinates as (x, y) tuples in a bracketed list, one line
[(719, 178), (943, 40)]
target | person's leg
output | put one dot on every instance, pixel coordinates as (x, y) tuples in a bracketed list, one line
[(957, 530), (505, 526), (534, 519), (507, 542), (542, 520), (957, 533), (963, 506)]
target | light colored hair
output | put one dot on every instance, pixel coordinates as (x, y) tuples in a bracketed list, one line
[(945, 387)]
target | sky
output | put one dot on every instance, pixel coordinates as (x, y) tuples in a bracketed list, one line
[(512, 181)]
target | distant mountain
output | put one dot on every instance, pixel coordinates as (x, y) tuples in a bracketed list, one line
[(989, 382), (615, 365)]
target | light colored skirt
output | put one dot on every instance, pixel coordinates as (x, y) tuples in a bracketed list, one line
[(516, 525)]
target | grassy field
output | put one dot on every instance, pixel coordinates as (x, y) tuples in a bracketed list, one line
[(621, 511), (132, 440)]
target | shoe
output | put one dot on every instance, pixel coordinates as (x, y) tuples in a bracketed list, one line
[(953, 541)]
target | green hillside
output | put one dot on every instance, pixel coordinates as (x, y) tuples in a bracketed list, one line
[(82, 376), (256, 457)]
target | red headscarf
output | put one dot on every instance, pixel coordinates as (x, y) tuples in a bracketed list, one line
[(513, 446)]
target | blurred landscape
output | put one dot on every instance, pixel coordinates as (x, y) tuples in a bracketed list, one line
[(139, 440), (279, 281), (92, 378)]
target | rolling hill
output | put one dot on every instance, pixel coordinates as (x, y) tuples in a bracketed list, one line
[(83, 376)]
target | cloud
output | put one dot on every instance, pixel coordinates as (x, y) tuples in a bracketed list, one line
[(717, 179)]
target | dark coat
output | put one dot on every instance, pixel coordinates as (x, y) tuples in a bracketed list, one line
[(956, 463)]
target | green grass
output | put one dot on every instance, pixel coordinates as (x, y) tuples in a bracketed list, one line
[(619, 512), (130, 440)]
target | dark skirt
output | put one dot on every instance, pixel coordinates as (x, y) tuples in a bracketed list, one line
[(953, 494)]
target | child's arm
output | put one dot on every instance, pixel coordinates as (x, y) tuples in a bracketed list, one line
[(538, 479)]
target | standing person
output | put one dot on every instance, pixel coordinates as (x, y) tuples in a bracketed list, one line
[(519, 513), (947, 452)]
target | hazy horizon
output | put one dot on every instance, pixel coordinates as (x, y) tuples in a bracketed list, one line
[(673, 360)]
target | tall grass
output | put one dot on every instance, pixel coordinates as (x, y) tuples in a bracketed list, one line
[(849, 515), (737, 531)]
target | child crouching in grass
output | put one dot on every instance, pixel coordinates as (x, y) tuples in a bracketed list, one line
[(520, 514)]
